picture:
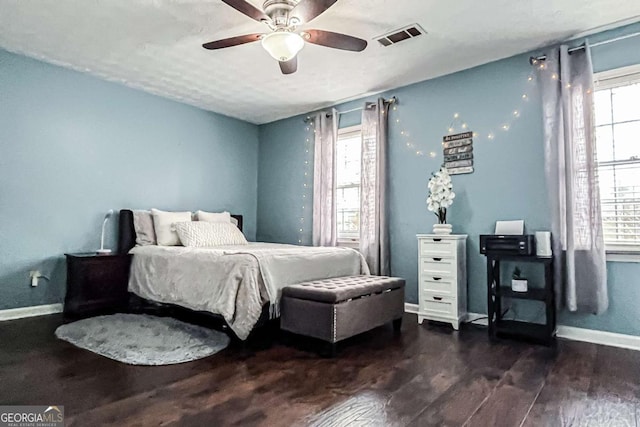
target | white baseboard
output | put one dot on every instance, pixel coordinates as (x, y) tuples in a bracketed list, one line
[(611, 339), (36, 310), (470, 317), (477, 319), (410, 308), (572, 333)]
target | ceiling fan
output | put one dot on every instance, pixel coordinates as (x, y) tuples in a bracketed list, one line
[(284, 42)]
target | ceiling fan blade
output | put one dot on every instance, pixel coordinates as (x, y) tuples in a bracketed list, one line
[(289, 67), (335, 40), (307, 10), (248, 9), (232, 41)]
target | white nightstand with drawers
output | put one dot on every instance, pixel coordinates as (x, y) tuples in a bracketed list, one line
[(442, 278)]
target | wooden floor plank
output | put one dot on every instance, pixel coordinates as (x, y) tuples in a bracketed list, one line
[(458, 403), (428, 375), (617, 371), (511, 400), (564, 397), (479, 378)]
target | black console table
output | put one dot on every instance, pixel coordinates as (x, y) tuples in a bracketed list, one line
[(501, 328)]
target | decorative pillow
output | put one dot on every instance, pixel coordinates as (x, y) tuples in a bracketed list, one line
[(198, 234), (213, 216), (163, 225), (143, 225)]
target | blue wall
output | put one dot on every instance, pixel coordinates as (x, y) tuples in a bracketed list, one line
[(73, 146), (508, 182)]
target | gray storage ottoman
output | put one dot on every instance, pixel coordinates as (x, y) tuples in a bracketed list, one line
[(335, 309)]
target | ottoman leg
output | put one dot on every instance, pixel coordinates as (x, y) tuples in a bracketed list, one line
[(331, 350), (397, 324)]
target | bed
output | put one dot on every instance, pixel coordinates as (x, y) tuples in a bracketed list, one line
[(234, 282)]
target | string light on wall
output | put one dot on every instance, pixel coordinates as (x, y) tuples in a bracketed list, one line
[(306, 181), (405, 135), (458, 125)]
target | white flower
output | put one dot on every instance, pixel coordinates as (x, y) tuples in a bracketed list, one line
[(441, 193)]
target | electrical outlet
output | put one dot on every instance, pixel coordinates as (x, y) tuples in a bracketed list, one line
[(34, 274)]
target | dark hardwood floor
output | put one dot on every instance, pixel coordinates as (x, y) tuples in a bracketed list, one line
[(428, 375)]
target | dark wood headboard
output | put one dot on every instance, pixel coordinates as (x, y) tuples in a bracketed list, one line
[(127, 233)]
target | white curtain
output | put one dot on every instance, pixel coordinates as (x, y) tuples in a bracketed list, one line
[(571, 171), (374, 227), (324, 179)]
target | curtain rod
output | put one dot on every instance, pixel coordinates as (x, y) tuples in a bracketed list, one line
[(535, 59), (391, 100)]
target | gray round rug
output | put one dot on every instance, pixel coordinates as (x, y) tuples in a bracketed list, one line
[(140, 339)]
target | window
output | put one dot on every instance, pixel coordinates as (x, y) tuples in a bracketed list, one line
[(617, 114), (348, 156)]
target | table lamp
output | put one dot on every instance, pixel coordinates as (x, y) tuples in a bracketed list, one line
[(102, 250)]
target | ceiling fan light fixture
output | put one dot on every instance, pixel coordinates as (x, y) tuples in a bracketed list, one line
[(283, 45)]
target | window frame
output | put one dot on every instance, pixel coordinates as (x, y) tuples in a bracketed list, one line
[(612, 79), (348, 242)]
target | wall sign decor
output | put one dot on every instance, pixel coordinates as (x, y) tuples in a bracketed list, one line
[(458, 153)]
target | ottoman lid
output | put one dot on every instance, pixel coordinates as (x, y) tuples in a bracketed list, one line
[(342, 288)]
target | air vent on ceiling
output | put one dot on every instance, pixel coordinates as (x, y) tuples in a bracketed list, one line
[(405, 33)]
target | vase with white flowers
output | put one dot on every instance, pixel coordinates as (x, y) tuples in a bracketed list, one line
[(441, 196)]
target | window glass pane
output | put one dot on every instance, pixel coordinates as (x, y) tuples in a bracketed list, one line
[(604, 143), (349, 198), (348, 156), (606, 179), (626, 140), (618, 145), (627, 178), (602, 100), (348, 160), (620, 202), (626, 103), (349, 223)]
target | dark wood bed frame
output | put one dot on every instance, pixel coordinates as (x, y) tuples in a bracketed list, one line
[(127, 240)]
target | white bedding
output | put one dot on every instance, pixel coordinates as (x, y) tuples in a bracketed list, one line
[(234, 281)]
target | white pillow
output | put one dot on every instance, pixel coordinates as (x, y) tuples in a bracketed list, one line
[(163, 225), (213, 216), (198, 234), (216, 217), (143, 225)]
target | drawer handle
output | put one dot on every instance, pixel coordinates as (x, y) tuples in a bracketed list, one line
[(437, 259), (437, 240), (437, 278), (437, 298)]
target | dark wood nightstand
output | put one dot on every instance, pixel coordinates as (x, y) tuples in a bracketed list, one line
[(96, 283)]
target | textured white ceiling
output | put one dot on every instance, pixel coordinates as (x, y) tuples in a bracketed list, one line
[(155, 45)]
